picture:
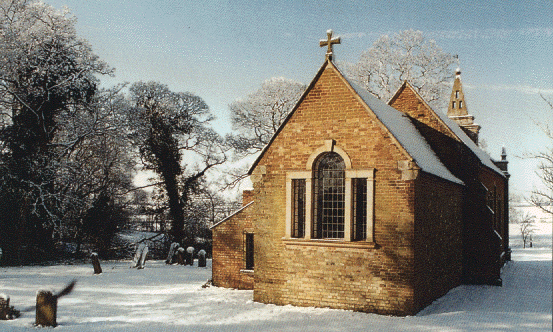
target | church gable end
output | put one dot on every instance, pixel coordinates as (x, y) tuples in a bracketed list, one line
[(359, 204), (366, 228), (410, 102)]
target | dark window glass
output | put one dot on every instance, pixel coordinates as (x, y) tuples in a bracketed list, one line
[(249, 251), (298, 208), (329, 197), (359, 209)]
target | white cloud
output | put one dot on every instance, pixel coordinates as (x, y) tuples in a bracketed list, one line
[(526, 89), (491, 33)]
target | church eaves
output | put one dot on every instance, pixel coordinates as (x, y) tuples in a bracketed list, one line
[(398, 124)]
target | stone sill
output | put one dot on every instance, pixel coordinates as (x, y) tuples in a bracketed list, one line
[(250, 272), (330, 243)]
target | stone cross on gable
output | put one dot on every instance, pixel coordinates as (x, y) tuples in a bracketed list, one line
[(329, 42)]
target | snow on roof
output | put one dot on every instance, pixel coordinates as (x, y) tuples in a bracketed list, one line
[(485, 159), (407, 135), (232, 215)]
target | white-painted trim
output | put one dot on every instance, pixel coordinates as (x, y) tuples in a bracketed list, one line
[(328, 146), (348, 212)]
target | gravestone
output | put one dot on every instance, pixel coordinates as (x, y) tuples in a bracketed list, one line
[(190, 256), (201, 258), (46, 309), (96, 263), (172, 251), (142, 260), (7, 312), (138, 255), (4, 306), (180, 256)]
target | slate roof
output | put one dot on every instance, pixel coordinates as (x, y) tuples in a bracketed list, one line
[(232, 215), (456, 130), (397, 123)]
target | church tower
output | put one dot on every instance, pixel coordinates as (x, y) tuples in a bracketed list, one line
[(457, 109)]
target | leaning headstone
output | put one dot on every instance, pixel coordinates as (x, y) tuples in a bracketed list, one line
[(190, 256), (172, 250), (180, 256), (143, 258), (7, 312), (96, 263), (201, 258), (46, 309), (137, 255), (4, 306)]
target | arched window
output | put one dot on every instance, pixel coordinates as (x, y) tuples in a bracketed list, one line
[(329, 196), (329, 199)]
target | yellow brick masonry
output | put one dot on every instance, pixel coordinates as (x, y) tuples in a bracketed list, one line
[(228, 251), (367, 279)]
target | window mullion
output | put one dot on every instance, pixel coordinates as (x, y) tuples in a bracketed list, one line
[(308, 207), (370, 207), (348, 220)]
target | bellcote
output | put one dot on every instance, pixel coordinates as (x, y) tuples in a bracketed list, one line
[(457, 109)]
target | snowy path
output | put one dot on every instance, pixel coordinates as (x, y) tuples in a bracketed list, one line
[(170, 298)]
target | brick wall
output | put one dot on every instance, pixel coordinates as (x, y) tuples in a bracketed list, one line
[(368, 279), (498, 187), (438, 238), (406, 100), (228, 251)]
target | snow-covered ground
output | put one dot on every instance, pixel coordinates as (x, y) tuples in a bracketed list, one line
[(171, 298)]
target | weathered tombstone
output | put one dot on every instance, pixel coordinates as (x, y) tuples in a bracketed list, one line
[(7, 312), (4, 306), (96, 263), (201, 258), (172, 251), (137, 255), (143, 258), (180, 256), (190, 256), (46, 309)]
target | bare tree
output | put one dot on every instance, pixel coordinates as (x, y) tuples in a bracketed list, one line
[(407, 55), (256, 118), (543, 197), (526, 223)]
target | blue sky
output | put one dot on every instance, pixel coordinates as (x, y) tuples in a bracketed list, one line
[(223, 50)]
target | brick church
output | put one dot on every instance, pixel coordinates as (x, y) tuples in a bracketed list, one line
[(364, 205)]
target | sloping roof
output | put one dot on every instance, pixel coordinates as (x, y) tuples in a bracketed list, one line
[(232, 215), (456, 130), (401, 127), (421, 100), (485, 159), (398, 124)]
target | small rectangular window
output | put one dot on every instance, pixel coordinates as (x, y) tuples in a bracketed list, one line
[(359, 208), (452, 104), (457, 94), (460, 104), (298, 208), (249, 251)]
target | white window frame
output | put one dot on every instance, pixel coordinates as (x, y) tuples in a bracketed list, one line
[(350, 174)]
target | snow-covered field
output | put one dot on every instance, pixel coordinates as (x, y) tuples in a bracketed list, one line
[(171, 298)]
